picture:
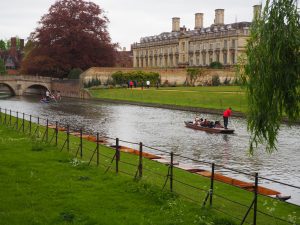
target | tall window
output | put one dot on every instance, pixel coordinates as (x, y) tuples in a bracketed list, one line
[(225, 58), (233, 43), (225, 43), (183, 46)]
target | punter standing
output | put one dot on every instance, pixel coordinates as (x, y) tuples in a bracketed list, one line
[(226, 115)]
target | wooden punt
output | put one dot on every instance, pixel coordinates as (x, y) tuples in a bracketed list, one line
[(235, 182), (136, 152), (58, 128), (190, 124)]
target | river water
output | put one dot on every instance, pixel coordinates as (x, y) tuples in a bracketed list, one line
[(164, 129)]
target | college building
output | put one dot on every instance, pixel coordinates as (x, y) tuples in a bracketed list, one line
[(201, 46)]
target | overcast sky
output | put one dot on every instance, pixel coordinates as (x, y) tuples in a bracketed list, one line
[(129, 19)]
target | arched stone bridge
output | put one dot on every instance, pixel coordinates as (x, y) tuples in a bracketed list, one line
[(18, 85)]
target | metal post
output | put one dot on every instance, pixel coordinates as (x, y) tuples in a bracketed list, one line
[(255, 199), (5, 116), (47, 128), (23, 123), (68, 137), (38, 127), (81, 143), (212, 177), (171, 172), (10, 117), (117, 155), (30, 123), (141, 160), (17, 121), (56, 132), (97, 149)]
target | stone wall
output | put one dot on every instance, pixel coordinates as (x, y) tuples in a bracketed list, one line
[(172, 76), (69, 88)]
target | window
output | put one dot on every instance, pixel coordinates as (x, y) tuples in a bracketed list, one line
[(233, 43), (183, 46), (225, 58), (225, 43)]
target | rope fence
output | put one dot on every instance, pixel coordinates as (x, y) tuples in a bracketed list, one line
[(90, 146)]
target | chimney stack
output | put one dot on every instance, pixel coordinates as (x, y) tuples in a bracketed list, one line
[(175, 24), (219, 17), (21, 44), (256, 11), (198, 21)]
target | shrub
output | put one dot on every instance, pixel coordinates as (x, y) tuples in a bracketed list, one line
[(121, 78), (226, 81), (92, 83), (216, 65), (75, 73), (215, 81)]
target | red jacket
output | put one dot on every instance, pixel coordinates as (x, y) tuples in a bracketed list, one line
[(227, 113)]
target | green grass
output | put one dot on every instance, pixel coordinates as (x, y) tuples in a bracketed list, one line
[(220, 97), (41, 184)]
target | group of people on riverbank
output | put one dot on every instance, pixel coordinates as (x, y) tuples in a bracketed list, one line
[(214, 124), (134, 84)]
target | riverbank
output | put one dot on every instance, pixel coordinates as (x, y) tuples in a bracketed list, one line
[(40, 185), (155, 173), (196, 99)]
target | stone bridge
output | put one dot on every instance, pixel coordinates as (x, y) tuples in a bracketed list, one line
[(19, 84)]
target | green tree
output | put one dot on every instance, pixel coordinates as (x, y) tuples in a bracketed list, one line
[(272, 71), (2, 67), (2, 45), (216, 65), (75, 73), (193, 74)]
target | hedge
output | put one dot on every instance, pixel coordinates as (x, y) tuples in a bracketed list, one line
[(138, 76)]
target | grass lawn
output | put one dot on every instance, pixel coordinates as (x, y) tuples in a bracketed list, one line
[(219, 97), (41, 185)]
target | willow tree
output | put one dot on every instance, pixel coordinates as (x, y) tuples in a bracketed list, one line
[(273, 71)]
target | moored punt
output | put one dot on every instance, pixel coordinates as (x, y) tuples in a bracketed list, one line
[(190, 124), (235, 182), (58, 128), (136, 152)]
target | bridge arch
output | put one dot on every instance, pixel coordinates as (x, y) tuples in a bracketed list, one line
[(39, 89), (10, 87)]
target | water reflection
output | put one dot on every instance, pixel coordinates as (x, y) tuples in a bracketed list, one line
[(164, 129)]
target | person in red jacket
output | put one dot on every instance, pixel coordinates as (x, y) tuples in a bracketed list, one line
[(226, 114)]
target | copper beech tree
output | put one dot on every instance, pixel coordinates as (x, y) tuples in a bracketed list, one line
[(72, 35)]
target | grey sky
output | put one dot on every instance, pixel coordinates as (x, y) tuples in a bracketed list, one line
[(129, 19)]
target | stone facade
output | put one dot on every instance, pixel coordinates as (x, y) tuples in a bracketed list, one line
[(201, 46)]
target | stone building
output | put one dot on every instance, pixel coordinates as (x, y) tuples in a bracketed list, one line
[(13, 56), (124, 58), (198, 47)]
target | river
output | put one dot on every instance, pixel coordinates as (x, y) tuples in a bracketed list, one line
[(164, 129)]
